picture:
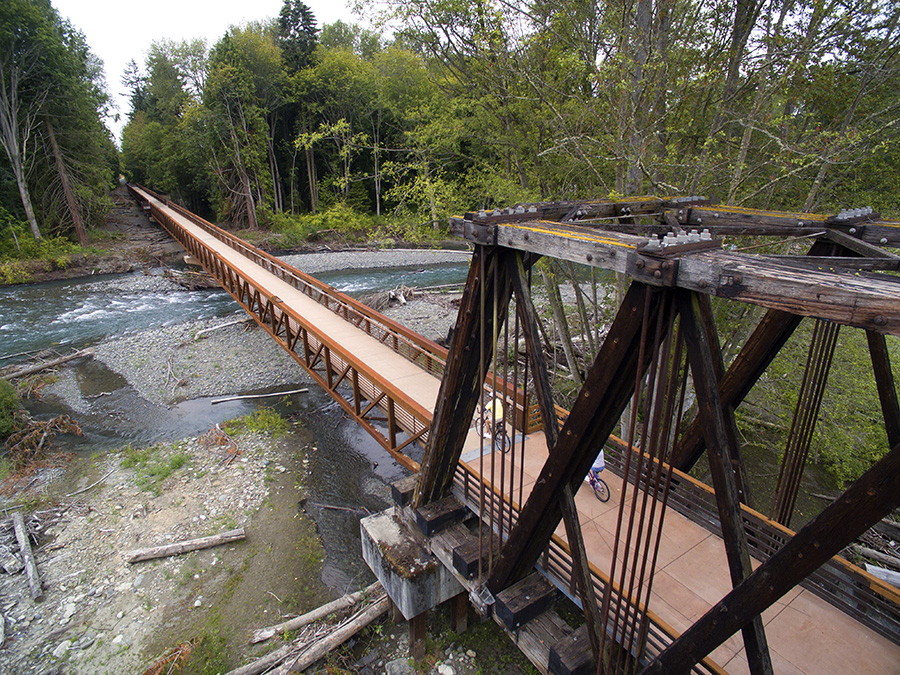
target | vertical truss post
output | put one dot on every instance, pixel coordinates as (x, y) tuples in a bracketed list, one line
[(884, 381), (460, 387), (717, 420), (874, 495), (606, 392), (763, 345), (544, 394)]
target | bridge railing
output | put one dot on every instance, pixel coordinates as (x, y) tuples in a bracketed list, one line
[(419, 350), (389, 415), (839, 582)]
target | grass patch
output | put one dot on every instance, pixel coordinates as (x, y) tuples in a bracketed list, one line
[(151, 468), (264, 421)]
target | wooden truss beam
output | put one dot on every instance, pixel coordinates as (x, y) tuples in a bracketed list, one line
[(850, 297), (544, 393), (461, 387), (720, 434), (868, 500), (606, 391)]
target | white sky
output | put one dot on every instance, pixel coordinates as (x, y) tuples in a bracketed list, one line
[(120, 31)]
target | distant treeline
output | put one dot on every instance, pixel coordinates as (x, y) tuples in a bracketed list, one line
[(450, 106)]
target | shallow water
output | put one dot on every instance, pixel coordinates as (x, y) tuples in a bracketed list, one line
[(78, 312)]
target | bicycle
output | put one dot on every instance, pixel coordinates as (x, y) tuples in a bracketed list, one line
[(496, 428), (598, 485)]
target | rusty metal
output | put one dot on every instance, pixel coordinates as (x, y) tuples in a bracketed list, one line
[(806, 413), (386, 413)]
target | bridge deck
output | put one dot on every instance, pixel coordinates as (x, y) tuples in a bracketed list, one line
[(805, 633)]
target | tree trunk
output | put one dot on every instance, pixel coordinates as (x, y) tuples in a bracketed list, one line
[(74, 211), (31, 570), (562, 326), (311, 176), (22, 182)]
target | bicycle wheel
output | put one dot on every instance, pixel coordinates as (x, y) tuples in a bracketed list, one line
[(503, 441), (479, 425), (601, 489)]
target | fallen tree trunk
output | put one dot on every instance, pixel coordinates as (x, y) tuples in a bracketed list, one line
[(871, 553), (344, 602), (295, 657), (336, 639), (201, 333), (38, 367), (245, 396), (31, 570), (890, 576), (184, 546)]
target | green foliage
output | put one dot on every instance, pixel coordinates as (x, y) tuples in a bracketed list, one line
[(264, 420), (153, 466), (849, 435), (9, 407)]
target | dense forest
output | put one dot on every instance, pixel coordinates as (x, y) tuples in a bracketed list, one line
[(59, 159), (450, 106)]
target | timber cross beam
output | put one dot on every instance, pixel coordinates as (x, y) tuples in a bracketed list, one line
[(672, 249)]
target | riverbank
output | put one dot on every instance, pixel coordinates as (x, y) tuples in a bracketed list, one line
[(102, 615)]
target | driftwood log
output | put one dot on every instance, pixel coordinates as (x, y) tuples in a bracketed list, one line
[(872, 554), (246, 396), (38, 367), (343, 633), (31, 570), (298, 657), (201, 333), (890, 576), (184, 546), (342, 603)]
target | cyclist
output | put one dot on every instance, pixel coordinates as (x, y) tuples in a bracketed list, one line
[(599, 465)]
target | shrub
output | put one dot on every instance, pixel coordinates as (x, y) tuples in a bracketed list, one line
[(9, 406)]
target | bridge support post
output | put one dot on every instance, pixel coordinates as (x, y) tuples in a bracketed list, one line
[(461, 387), (720, 434)]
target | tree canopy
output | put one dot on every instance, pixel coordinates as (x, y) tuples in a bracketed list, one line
[(57, 151)]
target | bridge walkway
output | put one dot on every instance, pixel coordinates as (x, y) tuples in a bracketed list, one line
[(805, 633)]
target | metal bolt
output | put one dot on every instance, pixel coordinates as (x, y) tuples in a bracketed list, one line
[(852, 230), (666, 264), (526, 237), (879, 320), (883, 240), (639, 264), (657, 274), (738, 278), (703, 283), (590, 257)]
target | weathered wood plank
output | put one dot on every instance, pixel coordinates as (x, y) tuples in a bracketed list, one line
[(572, 655), (717, 421), (524, 600)]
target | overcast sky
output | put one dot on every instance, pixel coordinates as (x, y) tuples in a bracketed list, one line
[(118, 32)]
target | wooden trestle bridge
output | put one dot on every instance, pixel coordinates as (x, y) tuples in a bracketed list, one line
[(672, 575)]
